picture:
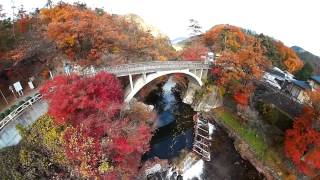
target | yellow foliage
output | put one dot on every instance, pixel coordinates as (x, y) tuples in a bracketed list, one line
[(25, 158), (69, 41), (162, 58), (291, 177), (105, 167)]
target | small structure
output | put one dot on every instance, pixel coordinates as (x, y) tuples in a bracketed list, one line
[(277, 78), (201, 144), (298, 90), (17, 86), (152, 170), (314, 82)]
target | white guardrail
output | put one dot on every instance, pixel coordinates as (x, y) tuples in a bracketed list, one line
[(15, 113), (146, 67)]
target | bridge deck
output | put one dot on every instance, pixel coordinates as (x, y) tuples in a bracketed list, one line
[(149, 67)]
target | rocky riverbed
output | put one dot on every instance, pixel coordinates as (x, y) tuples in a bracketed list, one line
[(174, 137)]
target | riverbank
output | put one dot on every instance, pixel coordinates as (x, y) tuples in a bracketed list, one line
[(251, 145), (175, 136)]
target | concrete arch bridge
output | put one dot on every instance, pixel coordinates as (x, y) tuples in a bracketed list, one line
[(148, 71)]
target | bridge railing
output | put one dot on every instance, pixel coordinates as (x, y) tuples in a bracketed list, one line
[(15, 113), (145, 67)]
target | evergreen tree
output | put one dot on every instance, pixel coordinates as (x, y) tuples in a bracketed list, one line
[(305, 73), (194, 27)]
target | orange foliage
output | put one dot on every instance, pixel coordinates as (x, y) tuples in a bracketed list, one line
[(23, 20), (79, 30), (236, 71), (241, 98), (302, 142), (315, 101), (22, 24), (289, 58), (194, 53), (223, 37), (240, 64), (87, 35), (17, 54)]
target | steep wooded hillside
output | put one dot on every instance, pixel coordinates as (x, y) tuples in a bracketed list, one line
[(308, 57), (228, 38), (46, 39)]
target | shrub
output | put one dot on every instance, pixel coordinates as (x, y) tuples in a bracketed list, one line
[(21, 102), (273, 116), (7, 112), (13, 107), (2, 115), (28, 98)]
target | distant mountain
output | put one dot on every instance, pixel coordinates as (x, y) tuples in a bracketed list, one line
[(177, 40), (306, 56), (182, 42)]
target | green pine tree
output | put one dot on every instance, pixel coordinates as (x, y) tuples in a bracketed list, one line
[(305, 73)]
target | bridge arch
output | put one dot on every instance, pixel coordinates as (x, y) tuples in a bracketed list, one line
[(145, 79)]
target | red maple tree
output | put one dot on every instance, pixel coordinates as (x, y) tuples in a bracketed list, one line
[(73, 98), (241, 98), (97, 142), (302, 142), (194, 53)]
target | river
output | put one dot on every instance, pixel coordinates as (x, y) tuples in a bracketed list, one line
[(175, 133)]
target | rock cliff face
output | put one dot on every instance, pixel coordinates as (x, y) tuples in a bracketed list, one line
[(205, 103), (143, 25), (188, 97)]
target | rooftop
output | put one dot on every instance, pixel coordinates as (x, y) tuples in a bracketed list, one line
[(302, 84), (316, 78)]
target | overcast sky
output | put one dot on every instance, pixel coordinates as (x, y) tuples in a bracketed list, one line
[(295, 22)]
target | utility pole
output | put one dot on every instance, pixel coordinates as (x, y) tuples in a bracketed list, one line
[(13, 14), (49, 3), (5, 99)]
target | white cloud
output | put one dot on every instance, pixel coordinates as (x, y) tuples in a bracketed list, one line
[(293, 22)]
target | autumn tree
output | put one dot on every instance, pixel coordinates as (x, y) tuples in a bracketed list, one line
[(87, 35), (138, 44), (236, 72), (194, 27), (80, 32), (242, 60), (23, 20), (73, 97), (302, 142), (271, 50), (222, 37), (194, 53), (38, 155), (98, 142), (291, 61), (6, 38)]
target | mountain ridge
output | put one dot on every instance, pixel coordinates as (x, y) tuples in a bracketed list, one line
[(308, 57)]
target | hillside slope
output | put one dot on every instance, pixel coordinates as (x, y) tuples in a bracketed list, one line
[(45, 40), (306, 56), (228, 38)]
